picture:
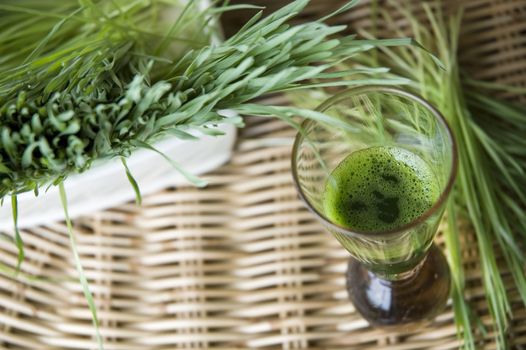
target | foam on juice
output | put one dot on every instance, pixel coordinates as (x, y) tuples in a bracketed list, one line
[(379, 188)]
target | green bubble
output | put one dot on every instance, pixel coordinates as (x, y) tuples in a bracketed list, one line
[(380, 188)]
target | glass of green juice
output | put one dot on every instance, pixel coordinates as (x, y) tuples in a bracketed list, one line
[(380, 185)]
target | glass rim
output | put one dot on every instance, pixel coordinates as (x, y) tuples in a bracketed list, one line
[(389, 90)]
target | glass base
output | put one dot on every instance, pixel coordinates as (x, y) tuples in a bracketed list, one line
[(406, 303)]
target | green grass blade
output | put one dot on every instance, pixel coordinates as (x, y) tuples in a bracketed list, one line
[(342, 9), (289, 112), (48, 37), (18, 238), (82, 277), (133, 182), (189, 176)]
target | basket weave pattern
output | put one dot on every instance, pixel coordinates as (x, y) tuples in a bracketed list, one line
[(240, 264)]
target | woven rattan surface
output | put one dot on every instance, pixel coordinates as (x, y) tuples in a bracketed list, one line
[(240, 264)]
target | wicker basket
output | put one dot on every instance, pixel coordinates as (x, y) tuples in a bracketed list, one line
[(240, 264)]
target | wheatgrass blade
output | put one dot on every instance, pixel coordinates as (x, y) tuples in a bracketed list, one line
[(82, 277)]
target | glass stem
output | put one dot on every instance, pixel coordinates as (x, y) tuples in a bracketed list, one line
[(405, 276)]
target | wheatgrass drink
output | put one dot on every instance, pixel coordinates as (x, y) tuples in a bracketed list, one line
[(379, 186), (379, 189)]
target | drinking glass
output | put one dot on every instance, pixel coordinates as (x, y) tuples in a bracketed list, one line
[(397, 277)]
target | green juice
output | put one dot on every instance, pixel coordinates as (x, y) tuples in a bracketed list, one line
[(379, 189)]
